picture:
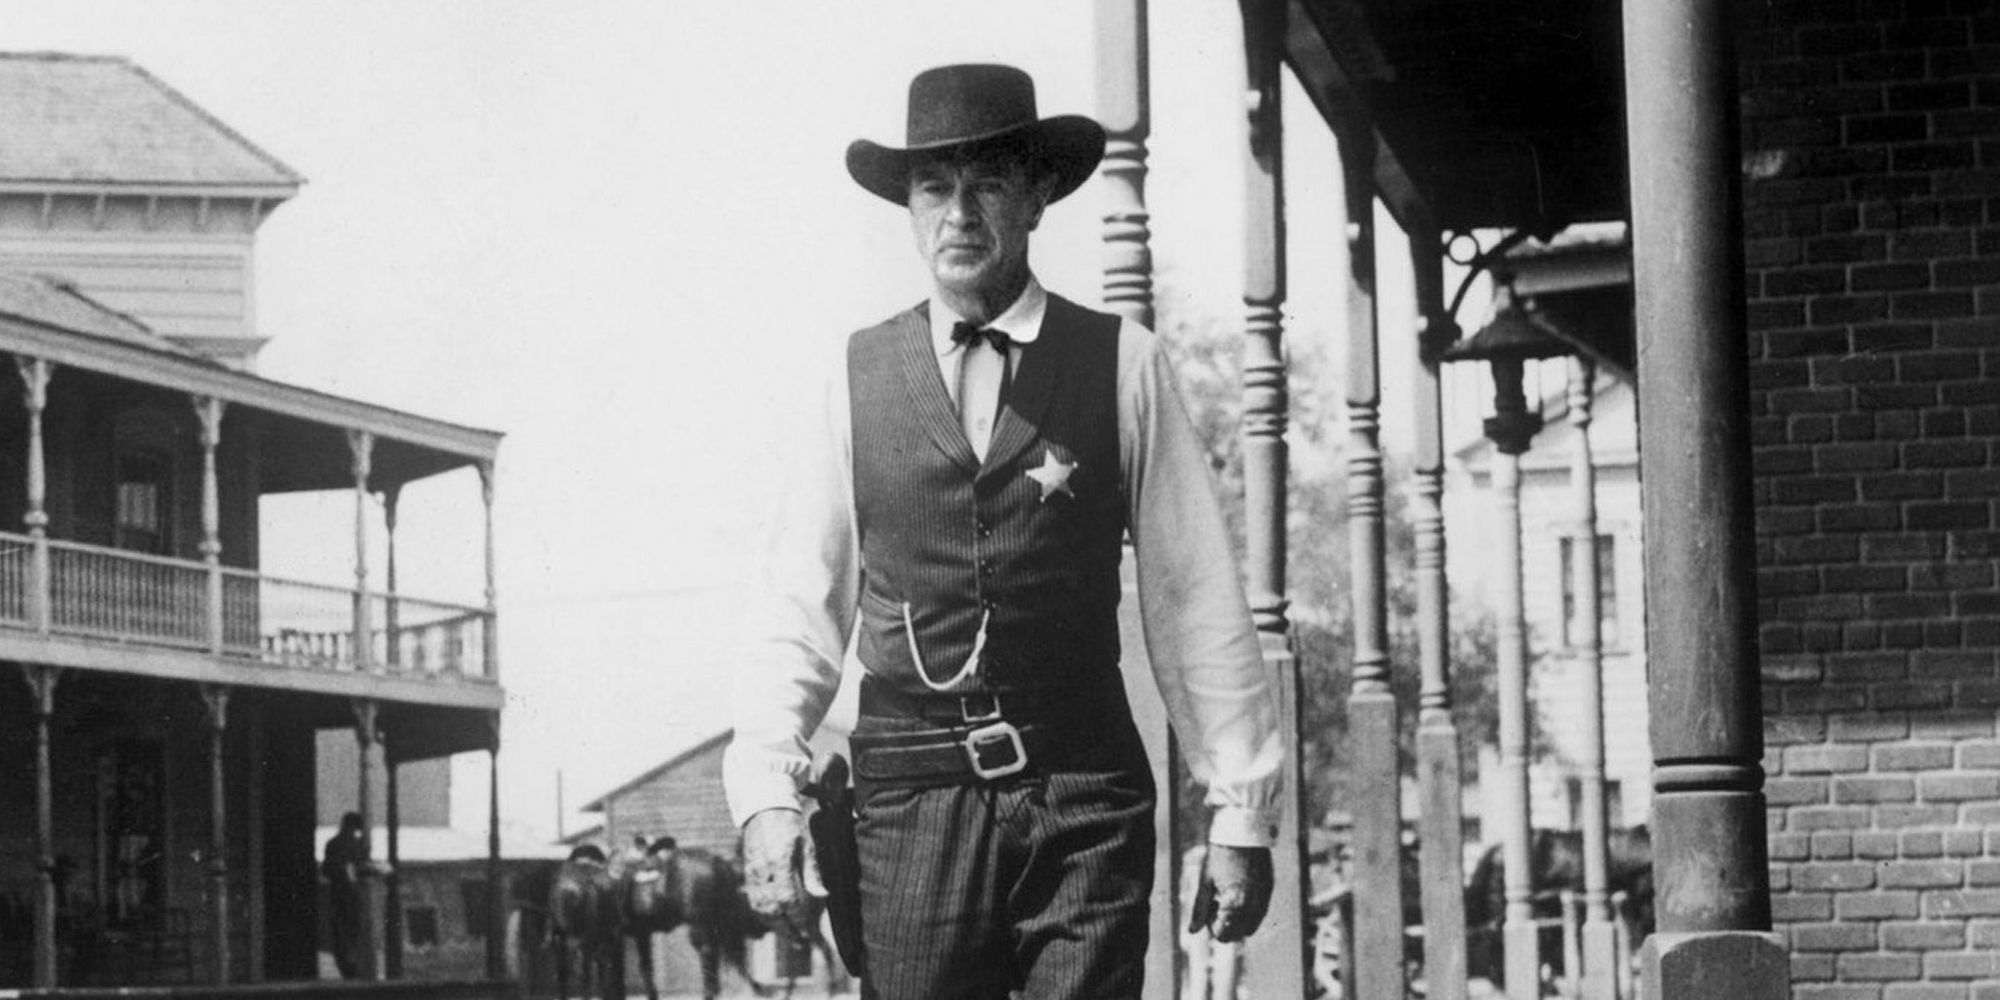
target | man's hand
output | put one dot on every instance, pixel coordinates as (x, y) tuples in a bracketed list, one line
[(1235, 892), (774, 853)]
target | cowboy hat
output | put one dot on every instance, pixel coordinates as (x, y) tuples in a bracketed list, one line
[(978, 105)]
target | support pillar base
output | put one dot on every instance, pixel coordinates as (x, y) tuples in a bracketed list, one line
[(1742, 965), (1377, 846), (1522, 940), (1600, 961)]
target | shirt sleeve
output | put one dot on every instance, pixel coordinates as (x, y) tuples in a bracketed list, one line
[(1204, 650), (802, 612)]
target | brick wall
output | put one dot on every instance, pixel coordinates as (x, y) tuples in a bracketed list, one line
[(1872, 243)]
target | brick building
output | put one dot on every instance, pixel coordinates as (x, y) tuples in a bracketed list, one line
[(1871, 147)]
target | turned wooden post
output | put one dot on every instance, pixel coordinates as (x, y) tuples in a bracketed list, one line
[(42, 689), (1600, 976), (1124, 111), (1374, 791), (367, 733), (362, 446), (1441, 832), (253, 820), (392, 882), (215, 699), (208, 410), (35, 373), (1511, 429), (392, 612), (496, 881), (1273, 963), (490, 635)]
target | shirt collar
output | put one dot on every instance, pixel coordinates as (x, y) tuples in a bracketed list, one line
[(1021, 322)]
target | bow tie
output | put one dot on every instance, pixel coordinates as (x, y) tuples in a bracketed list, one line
[(963, 333)]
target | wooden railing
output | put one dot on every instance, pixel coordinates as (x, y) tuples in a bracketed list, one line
[(111, 594)]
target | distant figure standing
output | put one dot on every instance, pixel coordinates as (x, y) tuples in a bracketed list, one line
[(345, 858)]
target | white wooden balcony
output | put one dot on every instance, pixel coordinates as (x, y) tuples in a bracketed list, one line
[(109, 595)]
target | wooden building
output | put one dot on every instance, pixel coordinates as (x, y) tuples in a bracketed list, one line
[(680, 797), (158, 762)]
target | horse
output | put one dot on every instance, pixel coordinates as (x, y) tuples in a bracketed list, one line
[(670, 886), (583, 914), (1556, 860)]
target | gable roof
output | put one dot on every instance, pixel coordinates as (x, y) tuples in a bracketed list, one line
[(705, 745), (73, 119)]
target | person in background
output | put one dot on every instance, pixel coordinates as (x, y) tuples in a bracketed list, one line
[(342, 865)]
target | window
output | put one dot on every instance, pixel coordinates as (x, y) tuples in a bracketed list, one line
[(420, 927), (1607, 592), (1614, 801), (473, 893), (142, 500)]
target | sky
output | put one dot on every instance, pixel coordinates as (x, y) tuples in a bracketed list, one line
[(621, 232)]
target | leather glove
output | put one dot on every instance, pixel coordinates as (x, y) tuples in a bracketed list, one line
[(774, 866), (1235, 892)]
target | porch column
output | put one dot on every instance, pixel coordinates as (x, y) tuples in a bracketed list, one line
[(1600, 978), (392, 883), (215, 697), (496, 883), (35, 374), (1273, 964), (366, 737), (1511, 429), (1374, 792), (392, 616), (362, 446), (490, 634), (208, 410), (42, 688), (253, 853), (1710, 861), (1124, 109), (1439, 784)]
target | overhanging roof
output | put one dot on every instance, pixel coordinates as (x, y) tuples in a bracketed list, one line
[(1482, 113), (39, 319)]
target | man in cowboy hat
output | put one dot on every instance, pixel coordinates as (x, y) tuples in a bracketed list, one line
[(985, 454)]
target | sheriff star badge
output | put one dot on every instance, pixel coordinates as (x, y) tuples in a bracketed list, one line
[(1053, 475)]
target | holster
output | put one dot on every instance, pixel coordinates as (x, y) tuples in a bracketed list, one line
[(839, 857)]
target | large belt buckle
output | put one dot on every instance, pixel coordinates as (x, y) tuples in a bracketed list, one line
[(995, 750)]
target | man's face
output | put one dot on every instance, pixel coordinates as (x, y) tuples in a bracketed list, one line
[(972, 218)]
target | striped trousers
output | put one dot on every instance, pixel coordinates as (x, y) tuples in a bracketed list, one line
[(1034, 885)]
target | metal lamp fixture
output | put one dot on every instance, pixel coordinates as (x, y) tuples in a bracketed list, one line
[(1514, 337)]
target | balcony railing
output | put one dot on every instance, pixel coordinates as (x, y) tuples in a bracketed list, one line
[(111, 594)]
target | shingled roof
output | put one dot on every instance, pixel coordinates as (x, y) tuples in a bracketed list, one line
[(70, 119), (53, 302)]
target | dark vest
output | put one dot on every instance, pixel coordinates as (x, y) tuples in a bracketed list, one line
[(957, 540)]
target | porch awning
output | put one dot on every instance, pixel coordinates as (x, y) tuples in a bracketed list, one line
[(40, 317)]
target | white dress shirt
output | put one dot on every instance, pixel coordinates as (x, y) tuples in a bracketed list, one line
[(1199, 638)]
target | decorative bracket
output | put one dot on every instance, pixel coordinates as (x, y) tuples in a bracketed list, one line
[(362, 445), (215, 698), (42, 687), (35, 374), (367, 713)]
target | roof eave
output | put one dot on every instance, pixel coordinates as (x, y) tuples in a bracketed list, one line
[(200, 377), (157, 189)]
